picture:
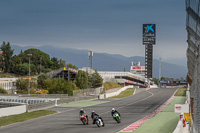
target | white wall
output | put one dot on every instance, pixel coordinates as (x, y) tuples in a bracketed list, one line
[(12, 110), (118, 92)]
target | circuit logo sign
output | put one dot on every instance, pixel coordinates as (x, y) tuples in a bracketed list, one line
[(149, 30)]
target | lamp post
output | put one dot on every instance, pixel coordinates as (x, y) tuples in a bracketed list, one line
[(90, 55), (29, 55)]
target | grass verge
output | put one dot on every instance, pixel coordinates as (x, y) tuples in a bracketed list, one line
[(181, 92), (111, 85), (126, 93), (6, 120)]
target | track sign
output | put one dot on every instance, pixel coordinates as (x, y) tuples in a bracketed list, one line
[(181, 108), (149, 34), (149, 30)]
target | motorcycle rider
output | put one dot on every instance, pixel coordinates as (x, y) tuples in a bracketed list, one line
[(82, 112), (114, 111), (94, 116)]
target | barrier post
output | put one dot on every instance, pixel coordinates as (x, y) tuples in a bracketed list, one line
[(56, 103), (184, 123)]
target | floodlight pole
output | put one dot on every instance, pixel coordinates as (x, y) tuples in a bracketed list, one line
[(29, 55), (90, 55), (159, 71)]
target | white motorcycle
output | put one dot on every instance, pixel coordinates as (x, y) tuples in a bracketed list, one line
[(99, 122)]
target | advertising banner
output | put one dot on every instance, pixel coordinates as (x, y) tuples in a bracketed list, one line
[(181, 108), (149, 34), (149, 30)]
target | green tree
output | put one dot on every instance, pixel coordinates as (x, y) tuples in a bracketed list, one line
[(55, 64), (156, 80), (7, 54), (62, 63), (15, 61), (22, 85), (41, 79), (37, 57), (81, 79), (3, 91), (22, 69), (97, 80), (72, 66), (2, 62)]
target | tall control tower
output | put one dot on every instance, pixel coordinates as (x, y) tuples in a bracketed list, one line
[(149, 39)]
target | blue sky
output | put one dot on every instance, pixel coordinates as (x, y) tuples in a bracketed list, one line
[(106, 26)]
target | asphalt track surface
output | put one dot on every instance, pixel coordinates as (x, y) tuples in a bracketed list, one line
[(132, 109)]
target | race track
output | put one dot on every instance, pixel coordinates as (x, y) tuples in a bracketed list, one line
[(67, 120)]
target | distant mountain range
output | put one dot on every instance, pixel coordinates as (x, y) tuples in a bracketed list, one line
[(107, 62)]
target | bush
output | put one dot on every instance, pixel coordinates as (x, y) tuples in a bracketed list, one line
[(3, 91), (59, 86), (41, 79), (44, 92)]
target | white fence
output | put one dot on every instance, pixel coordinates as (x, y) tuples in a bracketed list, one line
[(115, 93), (14, 110)]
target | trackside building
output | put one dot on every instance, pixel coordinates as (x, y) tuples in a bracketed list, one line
[(193, 61)]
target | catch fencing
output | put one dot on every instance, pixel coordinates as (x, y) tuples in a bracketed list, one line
[(87, 92)]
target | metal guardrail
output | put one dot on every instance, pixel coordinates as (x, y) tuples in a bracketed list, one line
[(38, 95), (50, 104), (42, 103)]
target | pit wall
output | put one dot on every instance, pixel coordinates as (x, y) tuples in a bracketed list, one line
[(13, 109)]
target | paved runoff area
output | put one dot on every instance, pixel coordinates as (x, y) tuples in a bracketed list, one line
[(164, 122), (132, 109)]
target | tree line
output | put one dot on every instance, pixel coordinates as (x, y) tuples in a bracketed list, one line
[(45, 85), (19, 64), (41, 62)]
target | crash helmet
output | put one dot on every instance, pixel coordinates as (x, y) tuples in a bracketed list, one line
[(81, 110), (113, 109)]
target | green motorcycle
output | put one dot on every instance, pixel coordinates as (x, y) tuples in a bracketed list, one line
[(116, 117)]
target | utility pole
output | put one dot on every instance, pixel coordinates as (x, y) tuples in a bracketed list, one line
[(29, 86), (90, 55), (159, 70)]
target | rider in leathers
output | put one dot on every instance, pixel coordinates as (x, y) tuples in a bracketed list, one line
[(94, 116), (114, 111), (83, 112)]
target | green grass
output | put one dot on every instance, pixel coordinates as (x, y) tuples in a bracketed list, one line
[(111, 85), (6, 120), (126, 93), (163, 122), (82, 104), (181, 92)]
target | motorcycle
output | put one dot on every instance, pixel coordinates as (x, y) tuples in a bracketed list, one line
[(99, 122), (84, 119), (116, 117)]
